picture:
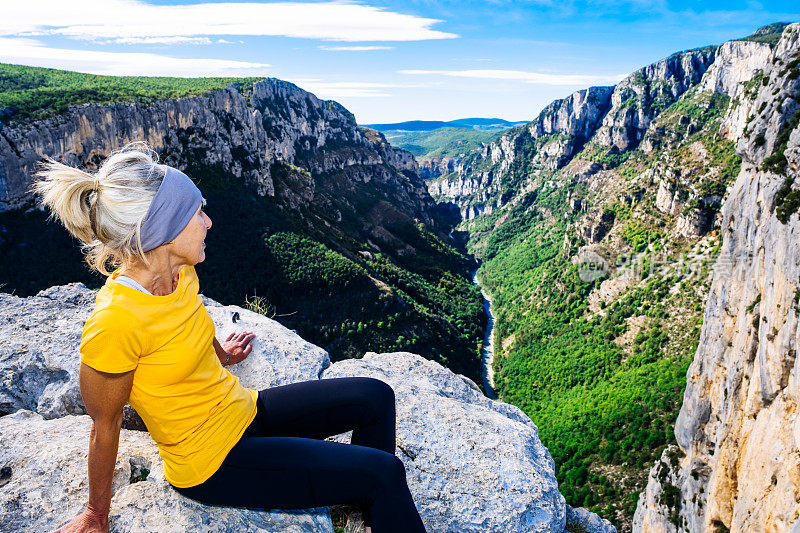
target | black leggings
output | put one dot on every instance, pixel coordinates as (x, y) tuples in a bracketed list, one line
[(281, 461)]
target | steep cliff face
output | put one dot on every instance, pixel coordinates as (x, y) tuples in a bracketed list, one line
[(560, 129), (640, 97), (257, 135), (577, 115), (612, 118), (476, 181), (315, 219), (433, 168), (598, 261), (737, 463)]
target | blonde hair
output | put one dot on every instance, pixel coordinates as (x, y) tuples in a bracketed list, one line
[(105, 210)]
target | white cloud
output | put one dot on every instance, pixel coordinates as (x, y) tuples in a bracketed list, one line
[(345, 89), (520, 75), (354, 48), (119, 19), (159, 40), (31, 52)]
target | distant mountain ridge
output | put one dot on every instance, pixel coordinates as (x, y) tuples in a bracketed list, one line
[(475, 123), (437, 143)]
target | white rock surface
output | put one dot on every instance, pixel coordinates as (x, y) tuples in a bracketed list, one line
[(48, 486), (736, 64), (472, 464), (579, 520), (39, 360), (281, 355), (40, 335)]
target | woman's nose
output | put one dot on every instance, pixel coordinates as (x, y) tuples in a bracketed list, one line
[(208, 221)]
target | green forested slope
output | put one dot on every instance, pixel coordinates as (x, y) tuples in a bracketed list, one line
[(35, 92), (602, 372)]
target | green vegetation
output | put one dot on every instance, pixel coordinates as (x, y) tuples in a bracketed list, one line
[(770, 34), (639, 237), (602, 410), (753, 304), (603, 155), (441, 142), (341, 514), (688, 131), (776, 162), (703, 108), (752, 86), (304, 264), (722, 156), (603, 382), (35, 93), (787, 199)]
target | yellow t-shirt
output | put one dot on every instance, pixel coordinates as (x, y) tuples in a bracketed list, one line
[(193, 407)]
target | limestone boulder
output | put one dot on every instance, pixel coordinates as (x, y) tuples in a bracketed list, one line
[(580, 520), (472, 464), (45, 485), (39, 358)]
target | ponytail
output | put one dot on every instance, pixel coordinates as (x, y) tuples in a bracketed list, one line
[(70, 194), (104, 210)]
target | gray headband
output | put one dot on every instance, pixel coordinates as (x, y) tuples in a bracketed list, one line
[(173, 206)]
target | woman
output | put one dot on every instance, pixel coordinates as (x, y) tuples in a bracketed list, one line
[(150, 342)]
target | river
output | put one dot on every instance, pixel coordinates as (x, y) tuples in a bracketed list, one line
[(487, 350)]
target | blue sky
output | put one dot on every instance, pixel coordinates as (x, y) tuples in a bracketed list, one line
[(384, 60)]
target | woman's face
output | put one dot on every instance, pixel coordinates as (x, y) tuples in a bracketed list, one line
[(190, 244)]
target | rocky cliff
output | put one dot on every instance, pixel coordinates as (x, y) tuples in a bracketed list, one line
[(432, 168), (329, 225), (598, 240), (472, 464), (615, 118), (640, 97), (547, 142), (256, 134), (736, 466)]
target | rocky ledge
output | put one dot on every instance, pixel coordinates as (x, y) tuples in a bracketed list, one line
[(472, 464)]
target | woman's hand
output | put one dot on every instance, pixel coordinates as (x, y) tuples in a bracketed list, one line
[(86, 522), (238, 346)]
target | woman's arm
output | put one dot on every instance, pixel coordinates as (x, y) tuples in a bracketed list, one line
[(104, 395)]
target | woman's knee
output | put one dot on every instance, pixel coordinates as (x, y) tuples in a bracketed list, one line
[(380, 391), (389, 472)]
